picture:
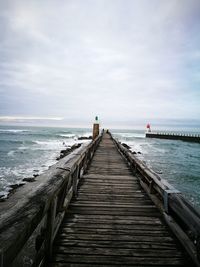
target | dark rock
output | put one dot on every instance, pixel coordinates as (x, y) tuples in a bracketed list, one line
[(67, 151), (2, 197), (12, 189), (29, 179), (139, 152), (134, 152), (75, 146), (64, 151), (14, 186), (126, 146), (35, 175), (85, 138)]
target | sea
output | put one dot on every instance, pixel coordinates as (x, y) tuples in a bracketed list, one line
[(27, 151)]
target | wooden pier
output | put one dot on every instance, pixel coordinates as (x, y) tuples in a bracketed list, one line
[(112, 221), (99, 206)]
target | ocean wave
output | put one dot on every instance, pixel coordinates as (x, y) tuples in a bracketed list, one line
[(65, 132), (129, 135), (56, 145), (11, 142), (24, 147), (67, 135), (88, 134), (50, 142), (14, 131)]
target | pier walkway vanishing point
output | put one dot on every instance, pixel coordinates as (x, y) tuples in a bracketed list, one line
[(112, 221)]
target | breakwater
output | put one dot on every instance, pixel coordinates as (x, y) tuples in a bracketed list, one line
[(174, 136)]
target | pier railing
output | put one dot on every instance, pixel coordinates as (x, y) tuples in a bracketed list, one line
[(182, 218), (31, 218)]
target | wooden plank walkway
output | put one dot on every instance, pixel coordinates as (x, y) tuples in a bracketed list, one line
[(112, 222)]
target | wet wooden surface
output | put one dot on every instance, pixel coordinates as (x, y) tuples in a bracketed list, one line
[(112, 222)]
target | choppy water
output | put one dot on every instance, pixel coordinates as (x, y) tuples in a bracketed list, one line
[(176, 161), (25, 151)]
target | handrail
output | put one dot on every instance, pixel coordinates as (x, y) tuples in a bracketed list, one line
[(31, 217), (179, 214)]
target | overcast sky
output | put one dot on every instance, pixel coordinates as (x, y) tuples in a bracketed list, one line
[(123, 60)]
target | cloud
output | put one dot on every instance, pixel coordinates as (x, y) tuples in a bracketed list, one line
[(119, 59), (21, 118)]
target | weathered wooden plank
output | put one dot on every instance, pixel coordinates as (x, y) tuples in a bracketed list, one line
[(119, 221), (106, 182), (120, 226), (117, 212), (134, 207), (114, 237), (115, 200), (118, 260), (131, 186), (107, 204), (137, 252), (90, 176), (122, 195), (90, 203), (107, 190), (117, 244), (141, 231), (113, 218), (59, 264)]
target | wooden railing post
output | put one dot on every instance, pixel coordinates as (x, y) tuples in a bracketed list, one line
[(198, 248), (50, 227), (165, 198), (75, 177), (1, 258)]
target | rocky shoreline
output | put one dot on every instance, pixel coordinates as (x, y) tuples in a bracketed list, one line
[(129, 148), (63, 153), (67, 151)]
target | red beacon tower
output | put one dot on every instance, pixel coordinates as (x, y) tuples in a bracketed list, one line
[(148, 127)]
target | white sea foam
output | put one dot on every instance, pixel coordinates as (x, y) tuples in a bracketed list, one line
[(48, 145), (11, 153), (67, 135), (24, 147)]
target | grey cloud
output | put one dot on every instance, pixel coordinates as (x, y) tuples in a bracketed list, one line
[(118, 58)]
